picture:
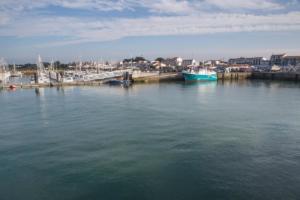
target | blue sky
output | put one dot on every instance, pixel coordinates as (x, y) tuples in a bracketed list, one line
[(111, 30)]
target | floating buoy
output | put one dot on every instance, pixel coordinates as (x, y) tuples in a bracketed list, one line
[(12, 87)]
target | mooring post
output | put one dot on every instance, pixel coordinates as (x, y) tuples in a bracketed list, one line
[(36, 78)]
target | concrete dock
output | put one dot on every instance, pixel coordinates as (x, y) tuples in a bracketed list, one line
[(163, 77), (234, 76), (280, 76)]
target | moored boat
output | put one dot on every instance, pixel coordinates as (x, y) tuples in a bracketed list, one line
[(199, 75), (43, 76), (4, 72), (12, 87), (16, 73)]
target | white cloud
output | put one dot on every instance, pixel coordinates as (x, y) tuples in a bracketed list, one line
[(158, 6), (187, 18), (245, 4), (79, 30), (171, 6), (101, 5)]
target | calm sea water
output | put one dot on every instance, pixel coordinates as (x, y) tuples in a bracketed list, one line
[(157, 141)]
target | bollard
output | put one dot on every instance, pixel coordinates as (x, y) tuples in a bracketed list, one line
[(36, 78)]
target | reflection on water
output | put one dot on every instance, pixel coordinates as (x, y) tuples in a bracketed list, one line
[(202, 87), (261, 83), (37, 91)]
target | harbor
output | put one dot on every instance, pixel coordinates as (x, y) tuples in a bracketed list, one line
[(149, 100), (139, 70)]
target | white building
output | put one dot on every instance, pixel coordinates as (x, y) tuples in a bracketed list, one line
[(290, 61), (255, 61), (276, 59), (187, 63), (284, 60), (173, 62), (214, 63)]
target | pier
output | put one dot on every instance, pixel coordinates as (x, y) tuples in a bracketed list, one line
[(55, 84), (157, 77), (234, 76)]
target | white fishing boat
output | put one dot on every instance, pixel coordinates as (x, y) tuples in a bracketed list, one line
[(68, 77)]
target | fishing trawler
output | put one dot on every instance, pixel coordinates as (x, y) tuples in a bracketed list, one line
[(201, 74)]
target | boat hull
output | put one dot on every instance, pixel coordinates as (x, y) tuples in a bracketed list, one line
[(199, 77)]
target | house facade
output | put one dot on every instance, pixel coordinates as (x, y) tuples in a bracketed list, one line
[(186, 63), (276, 59), (255, 61), (173, 62), (290, 61)]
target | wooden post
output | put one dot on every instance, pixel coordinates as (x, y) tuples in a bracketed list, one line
[(36, 78)]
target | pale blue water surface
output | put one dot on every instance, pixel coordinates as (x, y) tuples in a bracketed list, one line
[(155, 141)]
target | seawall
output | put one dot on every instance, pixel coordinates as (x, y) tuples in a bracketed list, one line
[(164, 77), (282, 76), (234, 76)]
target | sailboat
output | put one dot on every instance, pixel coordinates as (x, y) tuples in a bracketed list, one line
[(4, 72), (42, 75), (15, 73)]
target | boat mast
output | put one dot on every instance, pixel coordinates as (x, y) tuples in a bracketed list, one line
[(40, 65), (80, 65), (51, 65), (14, 68)]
